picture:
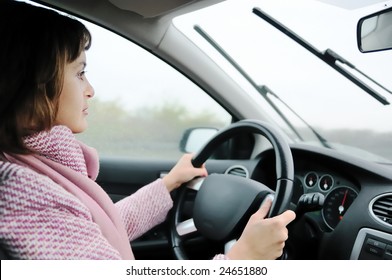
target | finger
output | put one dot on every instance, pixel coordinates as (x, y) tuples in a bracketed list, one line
[(200, 172), (287, 217), (264, 208), (204, 171)]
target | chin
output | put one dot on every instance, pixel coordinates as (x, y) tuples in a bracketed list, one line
[(79, 128)]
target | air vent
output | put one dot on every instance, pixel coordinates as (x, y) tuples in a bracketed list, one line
[(382, 208), (238, 170)]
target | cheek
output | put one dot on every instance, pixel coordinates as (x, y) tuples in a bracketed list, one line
[(72, 94), (70, 102)]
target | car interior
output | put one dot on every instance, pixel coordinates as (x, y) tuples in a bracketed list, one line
[(343, 200)]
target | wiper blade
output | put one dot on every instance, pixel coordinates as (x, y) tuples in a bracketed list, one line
[(328, 57)]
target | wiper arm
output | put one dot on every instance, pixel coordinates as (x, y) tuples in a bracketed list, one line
[(328, 57), (330, 54), (264, 90)]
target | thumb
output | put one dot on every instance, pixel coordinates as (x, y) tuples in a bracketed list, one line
[(288, 216), (264, 208)]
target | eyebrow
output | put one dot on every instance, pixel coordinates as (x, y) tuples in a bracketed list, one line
[(83, 63)]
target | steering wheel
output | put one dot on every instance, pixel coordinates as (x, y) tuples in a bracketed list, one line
[(224, 202)]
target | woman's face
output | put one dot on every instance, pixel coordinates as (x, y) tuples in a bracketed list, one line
[(73, 107)]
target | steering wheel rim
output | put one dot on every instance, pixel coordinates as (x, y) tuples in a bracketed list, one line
[(284, 172)]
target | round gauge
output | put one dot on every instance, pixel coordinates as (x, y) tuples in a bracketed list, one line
[(336, 204), (311, 179), (326, 183)]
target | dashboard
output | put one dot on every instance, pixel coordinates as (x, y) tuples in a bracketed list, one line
[(355, 216)]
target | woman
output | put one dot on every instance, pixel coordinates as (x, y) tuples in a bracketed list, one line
[(51, 207)]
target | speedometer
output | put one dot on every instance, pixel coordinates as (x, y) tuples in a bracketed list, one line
[(336, 204)]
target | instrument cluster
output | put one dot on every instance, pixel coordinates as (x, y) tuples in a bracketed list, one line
[(339, 194)]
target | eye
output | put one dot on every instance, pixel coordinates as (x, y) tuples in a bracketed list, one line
[(81, 74)]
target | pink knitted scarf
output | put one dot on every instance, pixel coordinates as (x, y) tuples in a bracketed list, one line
[(77, 179)]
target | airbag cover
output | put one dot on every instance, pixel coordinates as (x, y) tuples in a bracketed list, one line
[(223, 202)]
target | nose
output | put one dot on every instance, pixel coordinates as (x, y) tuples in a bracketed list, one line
[(89, 90)]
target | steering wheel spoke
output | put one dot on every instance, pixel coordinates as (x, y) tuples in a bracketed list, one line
[(186, 228), (195, 184)]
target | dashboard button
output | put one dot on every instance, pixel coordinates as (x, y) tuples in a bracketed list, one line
[(374, 250), (375, 243)]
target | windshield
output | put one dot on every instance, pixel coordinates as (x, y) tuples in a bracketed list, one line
[(299, 86)]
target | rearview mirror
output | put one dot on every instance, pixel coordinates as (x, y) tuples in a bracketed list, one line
[(374, 32)]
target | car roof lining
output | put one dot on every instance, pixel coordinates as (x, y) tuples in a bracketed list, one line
[(150, 8), (146, 21)]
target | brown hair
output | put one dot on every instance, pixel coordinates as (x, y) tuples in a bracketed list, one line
[(36, 44)]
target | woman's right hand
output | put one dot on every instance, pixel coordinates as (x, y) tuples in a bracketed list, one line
[(263, 238), (183, 172)]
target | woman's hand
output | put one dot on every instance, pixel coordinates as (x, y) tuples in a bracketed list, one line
[(183, 172), (262, 238)]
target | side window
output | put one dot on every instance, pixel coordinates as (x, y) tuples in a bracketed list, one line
[(142, 106)]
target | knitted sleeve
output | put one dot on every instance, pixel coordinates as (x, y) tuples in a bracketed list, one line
[(40, 220), (145, 208)]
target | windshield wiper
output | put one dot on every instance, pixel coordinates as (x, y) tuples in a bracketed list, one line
[(262, 89), (328, 57), (333, 56)]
